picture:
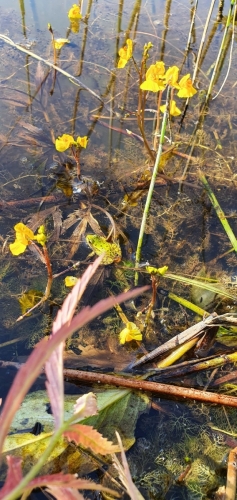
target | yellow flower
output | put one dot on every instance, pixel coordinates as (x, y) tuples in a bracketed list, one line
[(174, 110), (74, 12), (75, 25), (60, 42), (146, 48), (131, 332), (186, 87), (64, 142), (82, 141), (41, 236), (70, 281), (125, 53), (24, 236), (171, 76), (154, 77), (157, 270)]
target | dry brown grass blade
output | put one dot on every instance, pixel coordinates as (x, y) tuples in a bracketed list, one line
[(57, 221), (76, 237), (93, 223), (72, 219), (230, 492), (39, 218)]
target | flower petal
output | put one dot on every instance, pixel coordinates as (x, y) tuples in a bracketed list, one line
[(70, 281), (74, 12), (82, 141), (186, 87), (17, 247), (64, 142), (152, 86), (60, 42)]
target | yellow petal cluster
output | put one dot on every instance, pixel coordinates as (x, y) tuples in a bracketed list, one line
[(24, 236), (171, 77), (174, 110), (186, 87), (157, 79), (60, 42), (74, 12), (41, 237), (64, 142), (125, 53), (82, 141), (70, 281), (130, 332), (157, 270), (154, 77)]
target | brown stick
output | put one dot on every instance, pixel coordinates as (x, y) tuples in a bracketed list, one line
[(144, 385), (31, 201), (231, 476)]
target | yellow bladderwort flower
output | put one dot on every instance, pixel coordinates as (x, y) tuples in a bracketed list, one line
[(82, 141), (64, 142), (186, 87), (41, 237), (60, 42), (125, 53), (171, 77), (154, 77), (75, 25), (74, 12), (24, 236), (174, 110), (70, 281), (130, 332)]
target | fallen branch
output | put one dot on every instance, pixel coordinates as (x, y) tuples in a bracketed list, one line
[(144, 385), (231, 476)]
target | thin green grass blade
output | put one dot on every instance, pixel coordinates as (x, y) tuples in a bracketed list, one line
[(201, 284), (219, 211)]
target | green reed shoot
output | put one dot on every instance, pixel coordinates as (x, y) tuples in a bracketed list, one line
[(219, 211)]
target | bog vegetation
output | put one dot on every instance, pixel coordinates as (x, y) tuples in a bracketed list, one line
[(127, 194)]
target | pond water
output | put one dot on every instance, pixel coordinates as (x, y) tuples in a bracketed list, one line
[(90, 96)]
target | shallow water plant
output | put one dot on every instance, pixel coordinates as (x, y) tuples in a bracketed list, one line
[(50, 353)]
